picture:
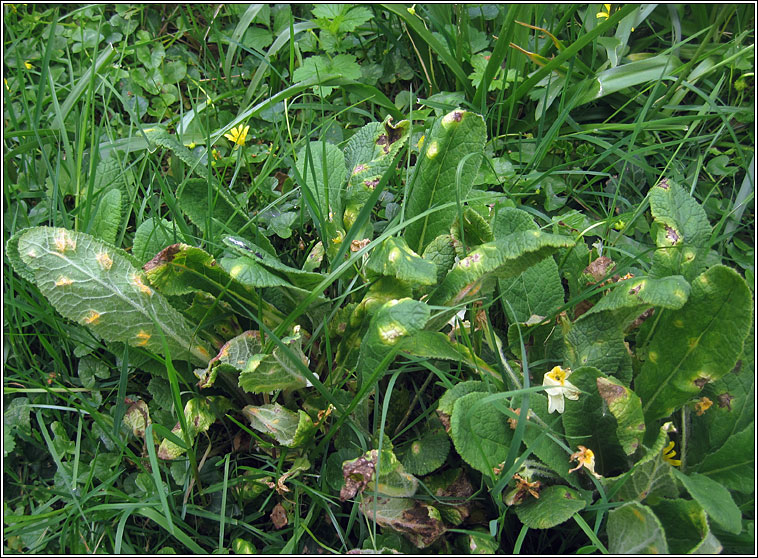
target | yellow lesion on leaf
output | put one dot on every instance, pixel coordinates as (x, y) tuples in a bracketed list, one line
[(692, 342), (432, 150), (202, 351), (63, 281), (142, 338), (63, 241), (678, 323), (653, 357), (92, 317), (144, 289), (105, 261)]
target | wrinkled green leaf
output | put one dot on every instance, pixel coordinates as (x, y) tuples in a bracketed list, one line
[(634, 529), (267, 372), (394, 258), (681, 231), (714, 499), (555, 505), (287, 427), (481, 434), (455, 139), (688, 348)]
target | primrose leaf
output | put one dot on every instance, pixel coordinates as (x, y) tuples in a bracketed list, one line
[(714, 499), (319, 67), (152, 236), (626, 407), (586, 419), (634, 529), (684, 523), (420, 522), (95, 285), (544, 447), (233, 355), (137, 418), (321, 166), (106, 218), (393, 321), (394, 258), (681, 232), (369, 154), (696, 344), (731, 411), (441, 252), (476, 230), (502, 258), (277, 370), (304, 279), (536, 291), (481, 434), (426, 454), (596, 338), (455, 139), (556, 505), (437, 345), (287, 427), (214, 209), (200, 413), (159, 136), (733, 464)]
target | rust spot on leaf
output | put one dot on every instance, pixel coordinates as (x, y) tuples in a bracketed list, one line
[(393, 133), (163, 257), (725, 400), (672, 235), (700, 382), (609, 391), (599, 268), (279, 516), (357, 474), (664, 184)]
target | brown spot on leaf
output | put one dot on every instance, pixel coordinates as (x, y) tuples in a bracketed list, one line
[(358, 473), (664, 183), (672, 235), (281, 178), (641, 318), (568, 496), (445, 420), (635, 290), (737, 367), (457, 115), (163, 257), (279, 516), (360, 167), (609, 391), (725, 400), (700, 382), (393, 133), (599, 268), (371, 183)]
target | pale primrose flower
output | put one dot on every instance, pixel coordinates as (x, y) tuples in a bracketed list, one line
[(237, 135), (585, 458), (557, 378)]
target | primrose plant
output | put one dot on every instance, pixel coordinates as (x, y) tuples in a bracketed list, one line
[(588, 425)]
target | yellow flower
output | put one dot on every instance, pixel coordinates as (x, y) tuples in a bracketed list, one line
[(604, 14), (28, 65), (585, 458), (559, 388), (669, 454), (238, 135), (618, 225), (421, 141)]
